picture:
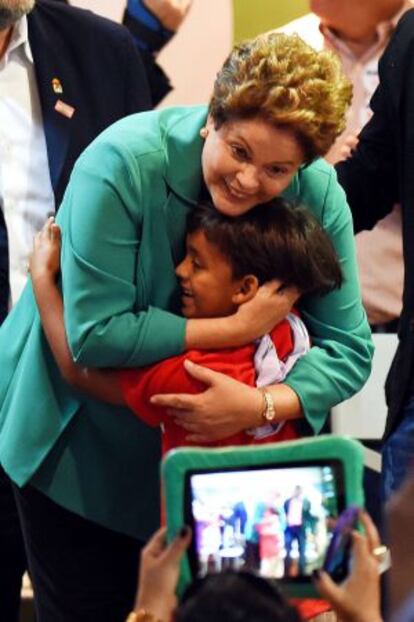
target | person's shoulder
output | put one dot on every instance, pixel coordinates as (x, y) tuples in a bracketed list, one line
[(407, 20), (131, 137), (156, 127), (182, 120), (320, 190), (143, 136), (80, 22), (398, 59), (318, 177), (402, 42)]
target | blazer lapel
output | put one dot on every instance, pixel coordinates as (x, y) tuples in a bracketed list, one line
[(176, 210), (51, 74)]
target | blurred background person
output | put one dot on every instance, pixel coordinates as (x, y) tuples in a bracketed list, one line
[(358, 31), (379, 172)]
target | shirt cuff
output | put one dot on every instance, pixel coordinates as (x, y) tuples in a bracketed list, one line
[(146, 29)]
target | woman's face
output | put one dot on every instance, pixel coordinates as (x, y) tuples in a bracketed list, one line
[(247, 162)]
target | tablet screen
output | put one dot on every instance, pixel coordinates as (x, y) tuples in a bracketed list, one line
[(274, 520)]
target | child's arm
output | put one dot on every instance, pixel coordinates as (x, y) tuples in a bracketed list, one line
[(44, 267)]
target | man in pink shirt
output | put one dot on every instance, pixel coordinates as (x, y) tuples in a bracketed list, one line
[(358, 31)]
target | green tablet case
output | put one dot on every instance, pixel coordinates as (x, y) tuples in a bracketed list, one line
[(179, 462)]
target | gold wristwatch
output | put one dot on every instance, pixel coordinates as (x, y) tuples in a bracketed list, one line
[(269, 412)]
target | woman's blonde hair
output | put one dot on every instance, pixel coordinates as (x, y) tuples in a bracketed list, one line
[(285, 81)]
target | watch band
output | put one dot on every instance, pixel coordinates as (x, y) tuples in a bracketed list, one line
[(269, 412)]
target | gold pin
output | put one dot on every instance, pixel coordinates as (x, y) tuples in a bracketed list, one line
[(57, 86)]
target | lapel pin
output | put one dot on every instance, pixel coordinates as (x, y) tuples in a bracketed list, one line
[(65, 109), (57, 85)]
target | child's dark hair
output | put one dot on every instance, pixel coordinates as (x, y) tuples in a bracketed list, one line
[(276, 240), (234, 597)]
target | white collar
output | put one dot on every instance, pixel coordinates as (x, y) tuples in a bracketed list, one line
[(20, 38)]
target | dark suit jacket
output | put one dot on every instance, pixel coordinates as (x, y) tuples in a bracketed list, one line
[(380, 173), (305, 510), (103, 79)]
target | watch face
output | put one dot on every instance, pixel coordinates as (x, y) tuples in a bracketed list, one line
[(269, 413)]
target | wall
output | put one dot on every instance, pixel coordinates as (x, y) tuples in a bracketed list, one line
[(195, 54), (254, 16)]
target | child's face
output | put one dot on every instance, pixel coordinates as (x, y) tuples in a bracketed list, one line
[(206, 279)]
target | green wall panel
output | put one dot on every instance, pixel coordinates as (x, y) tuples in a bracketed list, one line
[(254, 16)]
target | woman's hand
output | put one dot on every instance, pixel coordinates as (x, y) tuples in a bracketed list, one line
[(358, 598), (253, 319), (343, 150), (159, 572), (225, 408), (45, 258)]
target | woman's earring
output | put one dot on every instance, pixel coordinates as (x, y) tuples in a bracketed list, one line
[(204, 132)]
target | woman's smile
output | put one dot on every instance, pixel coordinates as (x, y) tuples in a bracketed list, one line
[(248, 162)]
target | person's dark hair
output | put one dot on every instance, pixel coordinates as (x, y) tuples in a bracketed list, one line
[(276, 240), (234, 597)]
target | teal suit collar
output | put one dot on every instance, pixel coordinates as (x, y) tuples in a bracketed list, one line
[(183, 147)]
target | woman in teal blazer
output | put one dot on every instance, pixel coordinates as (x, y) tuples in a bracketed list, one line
[(277, 106)]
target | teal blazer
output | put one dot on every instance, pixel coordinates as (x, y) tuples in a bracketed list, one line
[(123, 221)]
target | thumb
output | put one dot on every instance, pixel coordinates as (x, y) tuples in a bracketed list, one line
[(205, 375), (174, 551), (328, 589), (55, 232)]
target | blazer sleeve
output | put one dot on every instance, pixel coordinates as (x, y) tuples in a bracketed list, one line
[(339, 362), (101, 218), (138, 90), (149, 37)]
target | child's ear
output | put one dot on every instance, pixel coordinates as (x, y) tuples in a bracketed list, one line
[(247, 289)]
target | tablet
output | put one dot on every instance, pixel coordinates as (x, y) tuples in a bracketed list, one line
[(269, 509)]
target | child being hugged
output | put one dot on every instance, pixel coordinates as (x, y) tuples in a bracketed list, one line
[(226, 261)]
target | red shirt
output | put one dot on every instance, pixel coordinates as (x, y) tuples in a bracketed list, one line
[(170, 376)]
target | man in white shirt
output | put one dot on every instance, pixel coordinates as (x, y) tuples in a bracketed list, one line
[(358, 31)]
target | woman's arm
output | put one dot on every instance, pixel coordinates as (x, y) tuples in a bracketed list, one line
[(339, 361), (44, 268)]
